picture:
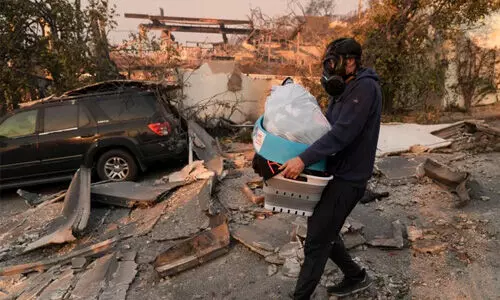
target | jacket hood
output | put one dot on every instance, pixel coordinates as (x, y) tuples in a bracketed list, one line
[(367, 73)]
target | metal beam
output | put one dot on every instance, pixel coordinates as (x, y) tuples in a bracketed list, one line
[(189, 20), (198, 29)]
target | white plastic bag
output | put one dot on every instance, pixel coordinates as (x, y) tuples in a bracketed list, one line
[(291, 112)]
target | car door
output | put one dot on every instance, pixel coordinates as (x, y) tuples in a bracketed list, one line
[(18, 146), (67, 132)]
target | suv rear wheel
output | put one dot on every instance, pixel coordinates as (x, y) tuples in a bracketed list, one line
[(117, 165)]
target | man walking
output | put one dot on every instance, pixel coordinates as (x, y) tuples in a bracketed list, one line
[(349, 147)]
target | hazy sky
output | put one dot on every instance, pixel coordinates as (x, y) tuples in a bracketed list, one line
[(228, 9)]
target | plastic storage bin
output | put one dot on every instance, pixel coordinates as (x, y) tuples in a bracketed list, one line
[(294, 196), (282, 194)]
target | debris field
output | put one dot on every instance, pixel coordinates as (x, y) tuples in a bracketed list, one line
[(427, 228)]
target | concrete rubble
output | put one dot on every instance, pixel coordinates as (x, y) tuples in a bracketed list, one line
[(456, 181), (131, 194), (75, 213), (42, 265), (200, 248), (396, 241), (202, 231), (36, 199), (253, 191), (206, 148)]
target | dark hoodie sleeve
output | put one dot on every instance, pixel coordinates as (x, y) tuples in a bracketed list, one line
[(356, 109)]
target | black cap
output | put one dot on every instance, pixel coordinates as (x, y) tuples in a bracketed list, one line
[(287, 80), (345, 47)]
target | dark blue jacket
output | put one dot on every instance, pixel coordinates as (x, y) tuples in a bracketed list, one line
[(355, 120)]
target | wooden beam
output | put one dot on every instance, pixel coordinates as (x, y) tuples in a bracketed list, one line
[(42, 265), (189, 20), (198, 29)]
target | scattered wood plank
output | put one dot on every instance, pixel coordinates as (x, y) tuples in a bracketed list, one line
[(42, 265), (196, 250)]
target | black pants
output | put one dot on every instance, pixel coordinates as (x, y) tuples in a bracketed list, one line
[(323, 240)]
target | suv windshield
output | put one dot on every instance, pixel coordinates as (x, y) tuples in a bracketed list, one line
[(20, 124)]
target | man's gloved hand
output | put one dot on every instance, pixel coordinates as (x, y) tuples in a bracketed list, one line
[(292, 168)]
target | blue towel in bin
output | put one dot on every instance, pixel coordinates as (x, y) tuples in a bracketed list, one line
[(278, 149)]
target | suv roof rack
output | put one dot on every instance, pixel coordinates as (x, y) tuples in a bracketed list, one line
[(104, 87)]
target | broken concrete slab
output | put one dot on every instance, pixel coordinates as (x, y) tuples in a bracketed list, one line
[(119, 281), (13, 285), (131, 194), (192, 172), (398, 138), (301, 227), (271, 270), (75, 214), (140, 222), (185, 215), (42, 265), (443, 174), (353, 240), (183, 174), (26, 226), (196, 250), (289, 250), (256, 199), (396, 241), (37, 285), (92, 282), (59, 287), (275, 231), (78, 262), (206, 148), (399, 167), (33, 199), (291, 267), (356, 226), (371, 196), (274, 259), (127, 255), (455, 181)]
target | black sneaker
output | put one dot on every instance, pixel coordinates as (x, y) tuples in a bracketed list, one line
[(349, 286)]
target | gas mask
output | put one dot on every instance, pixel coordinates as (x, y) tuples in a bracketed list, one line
[(334, 74)]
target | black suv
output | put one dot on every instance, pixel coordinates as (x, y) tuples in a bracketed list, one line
[(118, 131)]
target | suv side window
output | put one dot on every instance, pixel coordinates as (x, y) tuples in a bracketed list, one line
[(20, 124), (61, 117), (83, 117), (129, 106)]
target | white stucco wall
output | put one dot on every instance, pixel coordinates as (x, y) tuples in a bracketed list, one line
[(207, 88)]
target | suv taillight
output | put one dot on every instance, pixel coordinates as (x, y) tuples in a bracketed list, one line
[(161, 129)]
